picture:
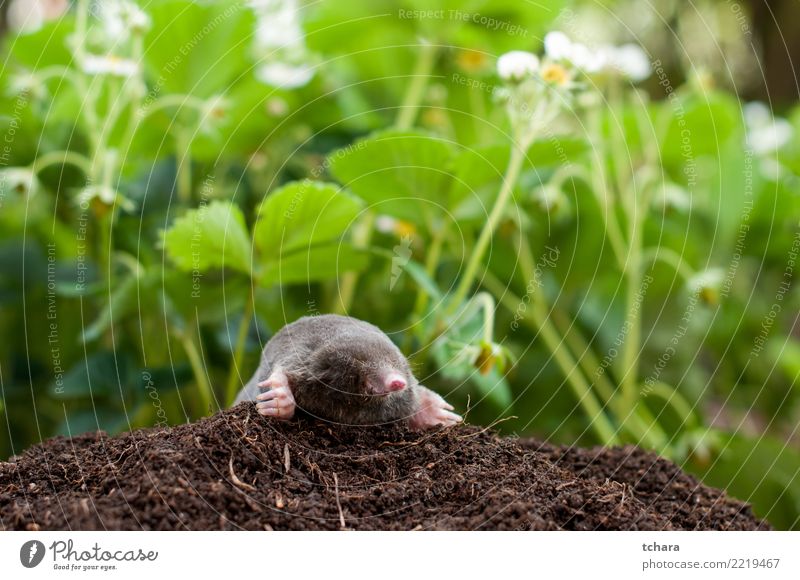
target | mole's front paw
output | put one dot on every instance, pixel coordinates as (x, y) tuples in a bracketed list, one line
[(433, 411), (278, 401)]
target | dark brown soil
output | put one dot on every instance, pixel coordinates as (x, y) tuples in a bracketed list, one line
[(236, 470)]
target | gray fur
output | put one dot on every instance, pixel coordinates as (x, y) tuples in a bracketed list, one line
[(330, 361)]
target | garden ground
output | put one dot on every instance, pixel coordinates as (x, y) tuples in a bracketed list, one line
[(236, 470)]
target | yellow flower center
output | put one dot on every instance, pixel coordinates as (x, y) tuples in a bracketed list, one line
[(471, 60), (555, 73)]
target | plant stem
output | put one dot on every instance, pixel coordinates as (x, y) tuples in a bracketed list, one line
[(196, 362), (405, 120), (62, 158), (641, 424), (241, 340), (361, 240), (431, 263), (471, 270), (602, 189), (670, 257), (183, 159), (416, 89), (673, 398), (536, 318)]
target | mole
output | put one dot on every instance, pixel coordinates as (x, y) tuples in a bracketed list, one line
[(342, 370)]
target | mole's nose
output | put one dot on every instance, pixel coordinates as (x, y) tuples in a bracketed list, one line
[(395, 382)]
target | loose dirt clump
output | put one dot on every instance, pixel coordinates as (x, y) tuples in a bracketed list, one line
[(237, 470)]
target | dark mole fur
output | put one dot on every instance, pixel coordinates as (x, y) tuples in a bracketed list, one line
[(331, 361)]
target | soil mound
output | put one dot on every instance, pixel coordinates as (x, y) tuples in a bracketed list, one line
[(236, 470)]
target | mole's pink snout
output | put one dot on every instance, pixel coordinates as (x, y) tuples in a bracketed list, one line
[(395, 382)]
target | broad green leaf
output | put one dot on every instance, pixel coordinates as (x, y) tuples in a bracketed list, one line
[(207, 299), (198, 48), (301, 214), (121, 303), (405, 174), (479, 172), (212, 236), (314, 264), (698, 125), (98, 375)]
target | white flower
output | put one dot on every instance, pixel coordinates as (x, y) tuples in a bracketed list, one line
[(756, 114), (285, 75), (121, 17), (707, 285), (631, 61), (26, 82), (278, 25), (765, 133), (110, 64), (675, 197), (588, 60), (516, 65), (548, 197), (557, 45), (280, 34), (25, 16), (19, 179)]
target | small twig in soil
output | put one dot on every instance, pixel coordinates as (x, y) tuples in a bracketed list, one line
[(338, 503), (468, 409), (286, 462), (236, 481), (489, 426), (436, 433)]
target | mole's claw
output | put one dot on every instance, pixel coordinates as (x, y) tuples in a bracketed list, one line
[(450, 418), (277, 402)]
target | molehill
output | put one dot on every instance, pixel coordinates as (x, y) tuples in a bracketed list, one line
[(237, 470)]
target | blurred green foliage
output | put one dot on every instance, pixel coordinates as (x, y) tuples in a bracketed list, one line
[(159, 224)]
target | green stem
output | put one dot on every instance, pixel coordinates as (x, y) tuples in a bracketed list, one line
[(537, 320), (405, 120), (629, 370), (431, 264), (471, 270), (169, 101), (361, 240), (670, 257), (586, 358), (196, 362), (674, 399), (62, 158), (183, 159), (241, 340), (416, 89), (602, 189)]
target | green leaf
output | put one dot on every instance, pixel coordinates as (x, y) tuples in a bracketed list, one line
[(198, 48), (123, 301), (301, 214), (212, 236), (208, 299), (400, 173), (699, 124), (494, 387), (479, 172), (420, 276), (98, 375), (315, 264)]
